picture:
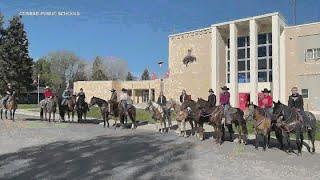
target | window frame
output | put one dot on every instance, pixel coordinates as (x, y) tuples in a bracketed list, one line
[(305, 95)]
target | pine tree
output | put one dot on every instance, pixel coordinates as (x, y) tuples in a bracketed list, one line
[(2, 72), (129, 77), (17, 64), (97, 70), (145, 75)]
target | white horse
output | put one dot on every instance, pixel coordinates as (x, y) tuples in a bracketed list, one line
[(158, 114)]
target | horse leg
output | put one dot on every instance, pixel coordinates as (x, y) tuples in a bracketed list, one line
[(311, 137), (72, 114), (299, 140), (1, 113), (288, 142), (6, 113), (41, 113), (13, 113), (265, 135), (240, 133), (184, 129), (256, 142), (192, 128)]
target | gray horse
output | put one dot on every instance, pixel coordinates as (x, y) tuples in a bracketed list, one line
[(48, 107)]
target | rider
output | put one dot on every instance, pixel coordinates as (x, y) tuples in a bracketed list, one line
[(162, 100), (212, 98), (183, 96), (266, 101), (225, 101), (65, 95), (9, 92), (47, 93), (125, 99), (81, 97), (296, 101)]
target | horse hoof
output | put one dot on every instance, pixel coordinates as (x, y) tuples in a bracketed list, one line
[(313, 150)]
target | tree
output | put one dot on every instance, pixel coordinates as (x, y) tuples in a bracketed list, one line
[(98, 73), (2, 33), (130, 77), (42, 67), (145, 75), (81, 74), (15, 63)]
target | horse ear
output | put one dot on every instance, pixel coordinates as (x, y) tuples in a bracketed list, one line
[(279, 101), (274, 102)]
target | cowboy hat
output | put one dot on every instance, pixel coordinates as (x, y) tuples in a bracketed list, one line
[(47, 87), (225, 88), (210, 90), (9, 84), (123, 89), (265, 90), (112, 90)]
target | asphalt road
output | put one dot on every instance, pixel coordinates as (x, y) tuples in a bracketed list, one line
[(31, 149)]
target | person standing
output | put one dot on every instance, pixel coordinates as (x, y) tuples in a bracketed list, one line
[(296, 101), (212, 99)]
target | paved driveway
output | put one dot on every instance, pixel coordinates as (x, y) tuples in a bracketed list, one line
[(39, 150)]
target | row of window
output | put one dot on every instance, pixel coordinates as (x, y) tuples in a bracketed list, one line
[(264, 58), (312, 54)]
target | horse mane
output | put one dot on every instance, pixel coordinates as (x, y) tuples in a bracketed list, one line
[(100, 100)]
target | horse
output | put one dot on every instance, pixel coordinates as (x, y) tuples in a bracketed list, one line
[(82, 109), (262, 123), (68, 107), (103, 106), (213, 116), (189, 107), (48, 107), (181, 116), (158, 114), (11, 106), (289, 121), (123, 115), (114, 111)]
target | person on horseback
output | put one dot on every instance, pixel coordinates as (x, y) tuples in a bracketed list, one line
[(9, 92), (266, 101), (183, 96), (47, 93), (296, 101), (225, 101), (65, 96), (212, 99), (162, 100), (125, 100), (81, 97)]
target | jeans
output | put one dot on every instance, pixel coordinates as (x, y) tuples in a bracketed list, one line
[(227, 113), (306, 119)]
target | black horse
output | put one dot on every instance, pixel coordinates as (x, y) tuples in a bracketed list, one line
[(104, 108), (82, 109), (290, 121)]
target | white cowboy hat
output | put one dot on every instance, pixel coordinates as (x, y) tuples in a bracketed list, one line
[(47, 87)]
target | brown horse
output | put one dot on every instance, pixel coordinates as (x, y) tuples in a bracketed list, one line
[(215, 115), (104, 108), (123, 115), (261, 123), (11, 106)]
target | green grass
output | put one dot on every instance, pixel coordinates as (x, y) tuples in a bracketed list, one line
[(27, 106)]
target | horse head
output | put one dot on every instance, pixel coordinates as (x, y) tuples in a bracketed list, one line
[(93, 101), (278, 109)]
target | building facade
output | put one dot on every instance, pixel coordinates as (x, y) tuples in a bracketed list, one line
[(247, 55)]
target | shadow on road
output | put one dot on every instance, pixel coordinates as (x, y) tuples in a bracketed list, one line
[(124, 157)]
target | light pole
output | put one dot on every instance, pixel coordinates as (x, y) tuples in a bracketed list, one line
[(160, 63), (38, 87)]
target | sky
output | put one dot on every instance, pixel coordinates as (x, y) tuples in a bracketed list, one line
[(135, 30)]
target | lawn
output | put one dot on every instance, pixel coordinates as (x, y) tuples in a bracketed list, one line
[(143, 115)]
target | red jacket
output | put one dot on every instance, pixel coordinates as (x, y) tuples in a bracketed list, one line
[(266, 102), (225, 98), (48, 93)]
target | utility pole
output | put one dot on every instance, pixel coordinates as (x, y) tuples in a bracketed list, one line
[(294, 11), (38, 83)]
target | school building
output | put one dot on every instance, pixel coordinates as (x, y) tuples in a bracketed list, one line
[(247, 55)]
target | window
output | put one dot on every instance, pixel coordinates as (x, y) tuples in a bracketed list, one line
[(309, 54), (241, 65), (305, 93), (241, 53), (242, 77), (262, 76), (262, 64), (262, 38), (241, 41), (262, 51), (312, 54)]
